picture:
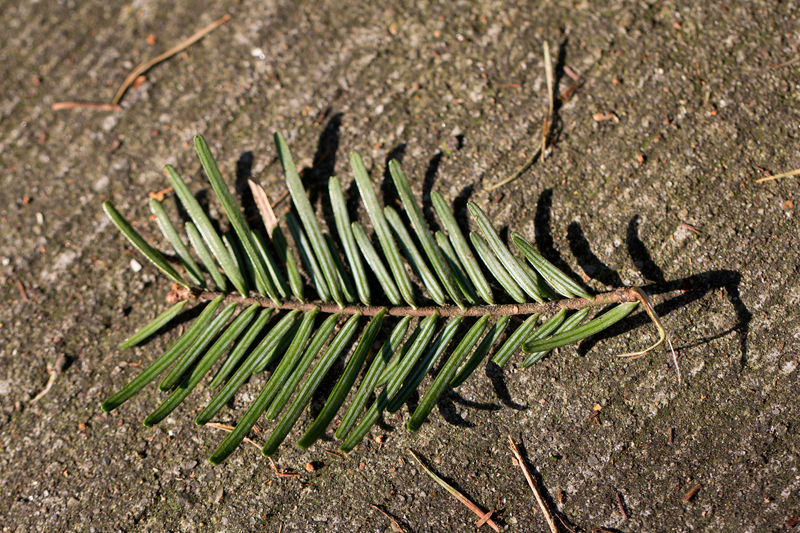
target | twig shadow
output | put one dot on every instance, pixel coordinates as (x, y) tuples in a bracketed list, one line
[(544, 234), (427, 188), (495, 375), (640, 255), (315, 179), (692, 287), (590, 263), (556, 123), (389, 192)]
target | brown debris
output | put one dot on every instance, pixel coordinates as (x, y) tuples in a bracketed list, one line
[(694, 490), (179, 293), (608, 115), (622, 506), (278, 472), (22, 292), (160, 194), (690, 228)]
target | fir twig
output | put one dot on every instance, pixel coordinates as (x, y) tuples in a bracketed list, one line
[(258, 267)]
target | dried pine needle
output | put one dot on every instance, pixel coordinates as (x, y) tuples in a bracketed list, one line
[(457, 495), (789, 174)]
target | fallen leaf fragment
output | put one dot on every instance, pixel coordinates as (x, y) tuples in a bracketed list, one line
[(608, 115)]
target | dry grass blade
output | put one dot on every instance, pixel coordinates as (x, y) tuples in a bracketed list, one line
[(58, 106), (147, 65), (457, 495), (548, 70), (545, 510), (786, 63), (264, 207), (50, 380), (662, 333), (229, 429), (789, 174)]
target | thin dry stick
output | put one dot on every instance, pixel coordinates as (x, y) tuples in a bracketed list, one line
[(58, 106), (622, 506), (223, 427), (794, 172), (786, 63), (395, 524), (694, 490), (564, 524), (485, 518), (545, 510), (147, 65), (457, 495), (278, 472), (333, 454)]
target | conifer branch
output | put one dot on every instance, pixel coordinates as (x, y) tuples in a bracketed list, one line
[(618, 296)]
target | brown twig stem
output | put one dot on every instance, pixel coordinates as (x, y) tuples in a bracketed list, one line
[(545, 510), (789, 174), (623, 295), (147, 65), (58, 106), (225, 427)]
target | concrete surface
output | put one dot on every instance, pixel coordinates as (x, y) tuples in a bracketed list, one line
[(662, 198)]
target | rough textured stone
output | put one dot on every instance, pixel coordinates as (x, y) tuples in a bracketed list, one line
[(664, 198)]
